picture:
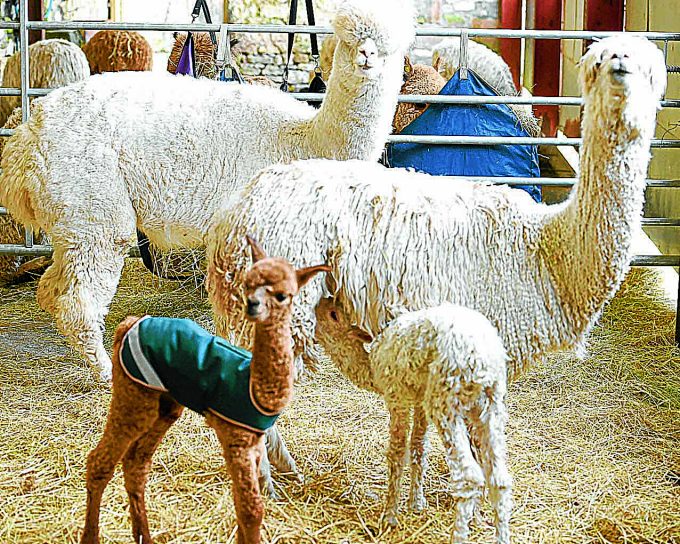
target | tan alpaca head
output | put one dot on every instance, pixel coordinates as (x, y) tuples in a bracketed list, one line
[(371, 32), (418, 79), (624, 67), (272, 283), (333, 323)]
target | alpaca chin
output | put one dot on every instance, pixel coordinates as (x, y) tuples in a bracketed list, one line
[(370, 72)]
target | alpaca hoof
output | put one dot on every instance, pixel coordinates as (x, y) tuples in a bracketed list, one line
[(391, 519), (106, 376), (268, 490), (372, 496), (417, 504)]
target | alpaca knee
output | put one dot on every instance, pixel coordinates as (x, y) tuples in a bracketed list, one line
[(99, 471)]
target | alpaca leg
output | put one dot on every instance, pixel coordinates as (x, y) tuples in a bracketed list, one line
[(492, 455), (265, 479), (419, 446), (466, 474), (399, 423), (137, 463), (78, 289), (130, 416), (243, 451), (279, 455)]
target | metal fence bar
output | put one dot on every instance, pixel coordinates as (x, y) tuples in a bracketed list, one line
[(498, 140), (45, 250), (480, 140), (512, 181), (418, 98), (660, 222), (655, 260), (452, 99), (317, 29), (25, 84)]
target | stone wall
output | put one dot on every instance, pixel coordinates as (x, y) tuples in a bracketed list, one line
[(265, 54)]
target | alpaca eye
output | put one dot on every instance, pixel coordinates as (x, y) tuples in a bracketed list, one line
[(280, 297)]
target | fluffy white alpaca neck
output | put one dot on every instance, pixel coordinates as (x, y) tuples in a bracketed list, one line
[(370, 103), (594, 230)]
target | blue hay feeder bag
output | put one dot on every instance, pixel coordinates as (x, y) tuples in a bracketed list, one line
[(468, 120)]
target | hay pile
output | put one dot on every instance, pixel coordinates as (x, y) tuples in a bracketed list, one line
[(118, 51), (594, 444)]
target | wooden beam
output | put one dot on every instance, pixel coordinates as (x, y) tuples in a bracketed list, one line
[(511, 49), (547, 63), (604, 14), (116, 10), (35, 13)]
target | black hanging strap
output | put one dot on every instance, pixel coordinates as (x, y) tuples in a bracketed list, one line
[(196, 13), (292, 20)]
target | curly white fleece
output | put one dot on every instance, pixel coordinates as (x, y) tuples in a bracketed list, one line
[(401, 241)]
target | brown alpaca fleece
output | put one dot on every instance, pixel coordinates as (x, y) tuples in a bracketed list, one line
[(204, 54), (418, 79), (139, 416), (118, 51)]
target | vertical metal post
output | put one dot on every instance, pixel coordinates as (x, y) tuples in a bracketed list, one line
[(677, 317), (25, 80)]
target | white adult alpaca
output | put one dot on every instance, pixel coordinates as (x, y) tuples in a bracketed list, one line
[(401, 241), (160, 153), (447, 363)]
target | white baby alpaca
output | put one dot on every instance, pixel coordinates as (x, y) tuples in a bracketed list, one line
[(448, 364)]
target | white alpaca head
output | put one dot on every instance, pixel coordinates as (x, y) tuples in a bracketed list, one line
[(371, 31), (625, 73)]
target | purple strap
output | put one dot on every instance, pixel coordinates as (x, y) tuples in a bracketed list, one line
[(185, 65)]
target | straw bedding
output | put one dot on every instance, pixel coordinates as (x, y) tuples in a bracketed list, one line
[(594, 444)]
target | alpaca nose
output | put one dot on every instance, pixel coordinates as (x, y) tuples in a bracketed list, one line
[(253, 307), (367, 53)]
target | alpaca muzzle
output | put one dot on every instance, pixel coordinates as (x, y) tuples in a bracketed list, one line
[(254, 308)]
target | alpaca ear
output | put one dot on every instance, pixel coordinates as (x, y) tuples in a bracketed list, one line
[(306, 274), (360, 335), (408, 67), (258, 252), (437, 63)]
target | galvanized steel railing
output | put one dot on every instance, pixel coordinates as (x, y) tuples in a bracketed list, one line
[(23, 26)]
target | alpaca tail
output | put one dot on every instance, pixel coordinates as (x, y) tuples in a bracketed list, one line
[(122, 330)]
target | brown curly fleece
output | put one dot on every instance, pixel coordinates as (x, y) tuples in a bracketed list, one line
[(118, 51)]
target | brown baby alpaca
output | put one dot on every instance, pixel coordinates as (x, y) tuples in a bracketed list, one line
[(139, 417), (418, 79)]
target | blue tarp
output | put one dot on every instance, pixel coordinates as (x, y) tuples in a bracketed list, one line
[(468, 120)]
